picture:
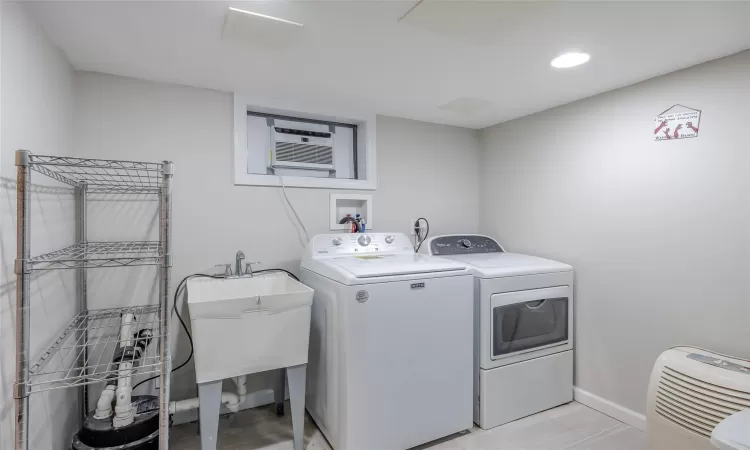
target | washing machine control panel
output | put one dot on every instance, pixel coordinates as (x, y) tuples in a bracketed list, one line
[(460, 244), (358, 243)]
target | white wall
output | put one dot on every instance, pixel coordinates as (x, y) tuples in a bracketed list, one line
[(423, 170), (37, 83), (657, 231)]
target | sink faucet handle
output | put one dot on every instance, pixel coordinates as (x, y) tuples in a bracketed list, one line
[(249, 267), (227, 269)]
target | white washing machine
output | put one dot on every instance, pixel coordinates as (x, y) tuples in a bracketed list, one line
[(523, 323), (391, 339)]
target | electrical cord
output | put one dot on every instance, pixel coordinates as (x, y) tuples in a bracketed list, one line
[(182, 322), (278, 270), (426, 233), (304, 230)]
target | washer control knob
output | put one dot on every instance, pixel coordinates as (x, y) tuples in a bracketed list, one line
[(337, 241), (465, 243), (390, 239), (364, 240)]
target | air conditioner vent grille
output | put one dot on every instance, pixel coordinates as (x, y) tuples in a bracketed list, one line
[(694, 404), (304, 153)]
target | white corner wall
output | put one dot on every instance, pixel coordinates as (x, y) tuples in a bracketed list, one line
[(423, 170), (657, 231), (36, 103)]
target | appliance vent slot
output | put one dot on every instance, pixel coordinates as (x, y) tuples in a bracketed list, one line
[(694, 404), (703, 431), (304, 153)]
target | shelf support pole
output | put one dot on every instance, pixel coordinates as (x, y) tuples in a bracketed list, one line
[(82, 335), (165, 239), (23, 294)]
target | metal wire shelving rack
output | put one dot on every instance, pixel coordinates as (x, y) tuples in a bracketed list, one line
[(82, 354)]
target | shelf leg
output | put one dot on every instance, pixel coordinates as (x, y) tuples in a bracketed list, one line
[(22, 423), (82, 336), (165, 237), (23, 294)]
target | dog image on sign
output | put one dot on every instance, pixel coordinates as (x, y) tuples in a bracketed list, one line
[(677, 125)]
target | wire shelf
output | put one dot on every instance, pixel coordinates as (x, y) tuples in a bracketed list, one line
[(101, 176), (83, 352), (100, 254), (96, 346)]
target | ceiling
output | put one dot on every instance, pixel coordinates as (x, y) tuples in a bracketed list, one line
[(465, 63)]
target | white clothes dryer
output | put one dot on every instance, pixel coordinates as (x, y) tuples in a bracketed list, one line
[(523, 325), (390, 364)]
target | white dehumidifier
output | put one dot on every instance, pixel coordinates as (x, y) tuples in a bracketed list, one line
[(690, 392)]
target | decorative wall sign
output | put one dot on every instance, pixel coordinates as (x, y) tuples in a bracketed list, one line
[(677, 125)]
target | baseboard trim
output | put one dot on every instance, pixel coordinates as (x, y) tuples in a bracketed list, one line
[(259, 398), (621, 413), (609, 408)]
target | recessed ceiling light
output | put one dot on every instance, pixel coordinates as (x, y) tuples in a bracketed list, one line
[(266, 17), (571, 59)]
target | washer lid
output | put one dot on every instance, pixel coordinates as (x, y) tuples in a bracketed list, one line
[(365, 269), (491, 265), (372, 266), (353, 259)]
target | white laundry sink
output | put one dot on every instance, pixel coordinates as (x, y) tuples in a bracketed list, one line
[(249, 324)]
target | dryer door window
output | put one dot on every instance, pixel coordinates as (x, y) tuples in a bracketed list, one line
[(528, 325)]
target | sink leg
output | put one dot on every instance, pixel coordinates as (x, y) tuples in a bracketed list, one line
[(296, 376), (209, 395), (279, 392)]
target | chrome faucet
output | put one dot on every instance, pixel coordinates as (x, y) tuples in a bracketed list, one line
[(238, 267), (238, 263), (227, 268)]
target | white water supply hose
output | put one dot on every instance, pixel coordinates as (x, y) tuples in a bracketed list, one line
[(231, 400)]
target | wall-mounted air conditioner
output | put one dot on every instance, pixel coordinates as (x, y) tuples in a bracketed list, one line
[(301, 149), (690, 392)]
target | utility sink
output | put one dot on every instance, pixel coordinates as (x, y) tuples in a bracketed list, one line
[(248, 324)]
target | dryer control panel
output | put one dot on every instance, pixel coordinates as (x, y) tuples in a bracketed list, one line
[(464, 244)]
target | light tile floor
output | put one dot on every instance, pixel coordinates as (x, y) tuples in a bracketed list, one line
[(568, 427)]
